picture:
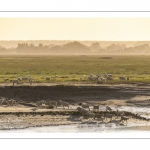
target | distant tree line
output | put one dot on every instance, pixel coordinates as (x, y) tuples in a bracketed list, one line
[(76, 48)]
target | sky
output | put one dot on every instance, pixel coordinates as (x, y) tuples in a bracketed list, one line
[(99, 29)]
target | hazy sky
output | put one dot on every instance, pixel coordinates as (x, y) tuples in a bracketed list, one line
[(114, 29)]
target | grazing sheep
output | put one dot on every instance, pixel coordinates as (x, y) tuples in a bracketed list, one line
[(4, 101), (31, 81), (48, 78), (79, 109), (1, 101), (40, 103), (119, 113), (64, 104), (54, 103), (46, 103), (123, 118), (98, 116), (13, 102), (101, 79), (108, 108), (122, 78), (109, 78), (9, 102), (14, 81), (86, 106), (84, 112), (109, 116), (96, 108)]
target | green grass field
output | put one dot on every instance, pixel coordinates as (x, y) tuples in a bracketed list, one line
[(75, 68)]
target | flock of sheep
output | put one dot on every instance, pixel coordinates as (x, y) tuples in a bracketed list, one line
[(20, 80), (102, 78), (85, 110), (8, 102)]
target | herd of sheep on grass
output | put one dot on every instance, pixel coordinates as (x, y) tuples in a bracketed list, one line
[(20, 80), (102, 78)]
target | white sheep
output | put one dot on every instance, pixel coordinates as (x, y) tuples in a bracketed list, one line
[(109, 78), (14, 81), (31, 81), (101, 79), (119, 113), (64, 104), (85, 106)]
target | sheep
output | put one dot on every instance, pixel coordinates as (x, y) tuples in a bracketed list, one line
[(119, 113), (4, 101), (108, 108), (40, 103), (54, 103), (98, 116), (95, 108), (31, 81), (123, 118), (64, 104), (47, 103), (84, 112), (122, 78), (85, 106), (1, 101), (101, 79), (48, 78), (109, 78), (9, 102), (14, 102), (79, 109), (14, 81), (6, 79), (109, 116)]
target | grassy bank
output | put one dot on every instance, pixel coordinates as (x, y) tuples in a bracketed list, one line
[(75, 68)]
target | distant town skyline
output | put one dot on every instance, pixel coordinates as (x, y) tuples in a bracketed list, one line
[(98, 29)]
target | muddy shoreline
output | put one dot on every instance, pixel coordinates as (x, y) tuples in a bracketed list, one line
[(116, 96)]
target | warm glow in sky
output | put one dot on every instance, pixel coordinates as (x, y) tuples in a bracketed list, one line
[(114, 29)]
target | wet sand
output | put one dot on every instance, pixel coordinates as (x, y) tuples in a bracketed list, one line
[(128, 97)]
